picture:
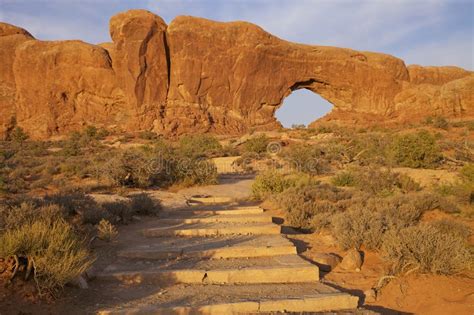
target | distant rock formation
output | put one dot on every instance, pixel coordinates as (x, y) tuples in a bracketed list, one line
[(196, 75)]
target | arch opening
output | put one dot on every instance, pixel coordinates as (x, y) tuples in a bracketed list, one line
[(302, 107)]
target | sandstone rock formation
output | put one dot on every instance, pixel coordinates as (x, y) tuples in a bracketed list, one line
[(197, 75)]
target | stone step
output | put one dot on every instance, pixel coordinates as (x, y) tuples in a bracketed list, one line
[(212, 248), (204, 211), (239, 299), (213, 229), (279, 269), (243, 218), (209, 200)]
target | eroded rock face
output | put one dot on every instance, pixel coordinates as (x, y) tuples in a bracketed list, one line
[(197, 75), (10, 37), (233, 76), (63, 86), (141, 64)]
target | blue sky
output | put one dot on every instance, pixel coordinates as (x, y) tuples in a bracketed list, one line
[(426, 32)]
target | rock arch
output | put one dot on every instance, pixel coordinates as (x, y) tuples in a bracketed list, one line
[(302, 106), (197, 75)]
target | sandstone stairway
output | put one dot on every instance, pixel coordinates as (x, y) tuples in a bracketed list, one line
[(225, 261)]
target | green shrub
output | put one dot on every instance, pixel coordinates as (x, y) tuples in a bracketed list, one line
[(467, 172), (459, 192), (367, 219), (345, 178), (427, 249), (3, 184), (143, 204), (440, 122), (269, 183), (189, 172), (106, 231), (310, 205), (376, 181), (368, 149), (416, 150), (72, 201), (120, 210), (27, 212), (58, 254), (447, 226), (407, 184), (305, 158), (257, 144), (148, 135), (133, 167), (72, 146), (358, 227), (18, 135), (197, 146)]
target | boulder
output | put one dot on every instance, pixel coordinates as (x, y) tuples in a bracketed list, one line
[(326, 261), (352, 260)]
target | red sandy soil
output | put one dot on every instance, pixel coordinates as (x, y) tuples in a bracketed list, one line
[(412, 294)]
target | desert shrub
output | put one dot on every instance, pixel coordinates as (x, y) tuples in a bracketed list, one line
[(447, 226), (106, 231), (120, 210), (440, 122), (407, 184), (94, 133), (305, 158), (257, 144), (345, 178), (369, 148), (72, 201), (467, 172), (160, 165), (229, 150), (148, 135), (416, 150), (18, 135), (470, 125), (197, 146), (310, 205), (426, 201), (3, 184), (133, 167), (352, 228), (358, 227), (459, 192), (268, 183), (78, 142), (189, 172), (39, 234), (246, 160), (427, 249), (376, 181), (27, 212), (399, 213), (143, 204), (72, 146), (59, 255)]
